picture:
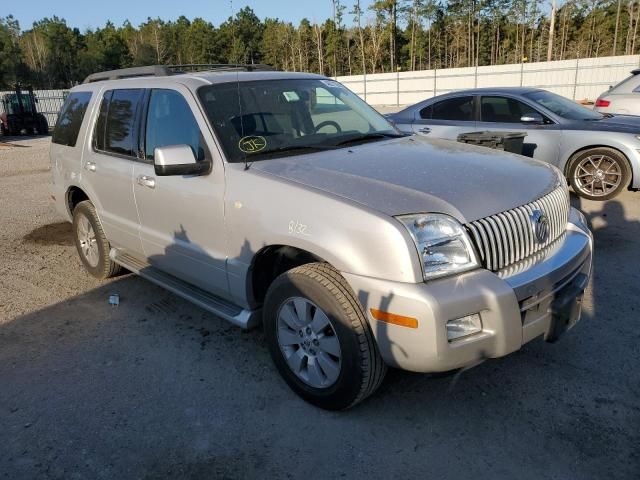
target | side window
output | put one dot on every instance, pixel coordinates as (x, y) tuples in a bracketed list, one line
[(115, 130), (171, 122), (458, 108), (70, 119), (503, 110), (119, 133), (427, 112), (98, 136)]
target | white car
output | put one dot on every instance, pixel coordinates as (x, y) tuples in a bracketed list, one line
[(623, 98)]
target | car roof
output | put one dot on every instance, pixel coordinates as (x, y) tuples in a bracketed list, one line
[(495, 90)]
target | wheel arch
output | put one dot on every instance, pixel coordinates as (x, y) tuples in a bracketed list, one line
[(73, 196), (271, 261)]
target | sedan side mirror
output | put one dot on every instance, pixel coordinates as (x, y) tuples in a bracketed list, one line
[(178, 160), (532, 117)]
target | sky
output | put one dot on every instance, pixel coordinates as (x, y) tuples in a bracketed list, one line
[(85, 14)]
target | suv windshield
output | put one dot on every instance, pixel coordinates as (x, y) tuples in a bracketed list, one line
[(270, 118), (563, 107)]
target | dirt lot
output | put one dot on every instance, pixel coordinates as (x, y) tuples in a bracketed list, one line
[(157, 388)]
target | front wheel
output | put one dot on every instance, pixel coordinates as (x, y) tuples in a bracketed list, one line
[(599, 173), (319, 338)]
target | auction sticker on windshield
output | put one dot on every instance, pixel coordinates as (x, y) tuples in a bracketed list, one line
[(252, 144)]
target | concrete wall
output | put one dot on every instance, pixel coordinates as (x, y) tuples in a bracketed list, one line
[(576, 79)]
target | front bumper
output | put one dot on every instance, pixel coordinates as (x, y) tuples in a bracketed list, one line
[(538, 296)]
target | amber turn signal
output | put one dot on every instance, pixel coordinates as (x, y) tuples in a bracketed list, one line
[(388, 317)]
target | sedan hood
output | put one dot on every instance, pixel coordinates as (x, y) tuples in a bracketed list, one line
[(614, 123), (414, 175)]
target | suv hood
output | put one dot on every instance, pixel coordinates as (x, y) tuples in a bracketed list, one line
[(415, 175)]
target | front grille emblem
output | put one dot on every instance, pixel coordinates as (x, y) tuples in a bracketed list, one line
[(540, 223)]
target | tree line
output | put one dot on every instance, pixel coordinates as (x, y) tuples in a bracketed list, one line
[(387, 36)]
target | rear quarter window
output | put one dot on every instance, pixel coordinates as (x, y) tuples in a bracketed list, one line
[(70, 119)]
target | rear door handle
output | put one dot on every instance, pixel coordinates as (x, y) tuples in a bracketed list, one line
[(424, 130), (91, 166), (146, 181)]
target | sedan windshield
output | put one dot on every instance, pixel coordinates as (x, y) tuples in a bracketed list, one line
[(256, 120), (563, 107)]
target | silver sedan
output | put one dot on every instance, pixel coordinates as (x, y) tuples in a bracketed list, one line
[(599, 153)]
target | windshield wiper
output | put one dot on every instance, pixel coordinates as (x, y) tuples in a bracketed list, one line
[(294, 148), (369, 136)]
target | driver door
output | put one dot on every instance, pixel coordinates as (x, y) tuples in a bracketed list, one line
[(502, 114)]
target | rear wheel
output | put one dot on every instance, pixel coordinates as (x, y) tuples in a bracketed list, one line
[(319, 338), (91, 242), (43, 125), (599, 173), (6, 130)]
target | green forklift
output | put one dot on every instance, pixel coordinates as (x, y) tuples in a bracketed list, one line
[(20, 113)]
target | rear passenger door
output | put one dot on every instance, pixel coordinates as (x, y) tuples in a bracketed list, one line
[(181, 217), (502, 114), (447, 118), (108, 166)]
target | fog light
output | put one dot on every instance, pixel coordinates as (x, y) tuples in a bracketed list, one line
[(463, 326)]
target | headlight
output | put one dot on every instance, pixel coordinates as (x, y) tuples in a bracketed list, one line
[(442, 243)]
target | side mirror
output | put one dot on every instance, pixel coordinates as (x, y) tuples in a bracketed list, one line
[(532, 117), (178, 160)]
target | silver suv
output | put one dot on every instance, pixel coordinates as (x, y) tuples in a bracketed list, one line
[(284, 199)]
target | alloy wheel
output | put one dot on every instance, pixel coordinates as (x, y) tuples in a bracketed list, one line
[(308, 342), (598, 175), (88, 242)]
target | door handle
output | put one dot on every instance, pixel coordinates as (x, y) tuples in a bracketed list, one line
[(424, 130), (91, 166), (146, 181)]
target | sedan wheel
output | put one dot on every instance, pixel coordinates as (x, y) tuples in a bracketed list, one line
[(599, 174)]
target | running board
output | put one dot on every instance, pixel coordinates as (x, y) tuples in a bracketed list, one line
[(245, 319)]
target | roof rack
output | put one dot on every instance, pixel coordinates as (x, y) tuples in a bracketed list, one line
[(167, 70), (199, 67)]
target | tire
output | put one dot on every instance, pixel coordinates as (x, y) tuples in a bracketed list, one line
[(43, 125), (358, 369), (91, 242), (599, 173)]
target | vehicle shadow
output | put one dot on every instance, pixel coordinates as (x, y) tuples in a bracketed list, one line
[(11, 139), (60, 233)]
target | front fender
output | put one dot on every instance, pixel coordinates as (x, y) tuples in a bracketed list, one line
[(263, 210)]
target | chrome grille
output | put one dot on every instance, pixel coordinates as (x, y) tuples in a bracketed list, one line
[(508, 237)]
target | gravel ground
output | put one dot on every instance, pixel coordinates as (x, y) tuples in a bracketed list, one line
[(157, 388)]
